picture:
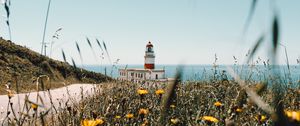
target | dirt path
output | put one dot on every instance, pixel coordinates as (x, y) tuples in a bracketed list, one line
[(59, 95)]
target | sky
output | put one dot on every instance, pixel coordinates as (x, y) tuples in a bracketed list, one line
[(182, 31)]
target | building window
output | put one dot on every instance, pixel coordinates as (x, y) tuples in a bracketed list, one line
[(156, 76), (141, 75), (132, 74)]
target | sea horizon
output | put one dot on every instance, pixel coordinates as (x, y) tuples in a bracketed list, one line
[(205, 72)]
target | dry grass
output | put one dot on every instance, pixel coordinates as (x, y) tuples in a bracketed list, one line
[(112, 103), (193, 101)]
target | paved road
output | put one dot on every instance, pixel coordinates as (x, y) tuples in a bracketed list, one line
[(59, 94)]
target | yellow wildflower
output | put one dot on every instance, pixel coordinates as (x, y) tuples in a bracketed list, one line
[(261, 118), (34, 106), (294, 115), (142, 91), (143, 111), (174, 120), (172, 106), (145, 123), (92, 122), (239, 110), (117, 117), (218, 104), (210, 119), (10, 94), (99, 121), (159, 92), (129, 115)]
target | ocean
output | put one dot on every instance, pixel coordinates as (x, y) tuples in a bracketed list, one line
[(206, 72)]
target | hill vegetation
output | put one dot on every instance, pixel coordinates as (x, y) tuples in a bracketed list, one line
[(20, 67)]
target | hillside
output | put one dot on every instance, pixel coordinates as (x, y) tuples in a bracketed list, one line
[(21, 66)]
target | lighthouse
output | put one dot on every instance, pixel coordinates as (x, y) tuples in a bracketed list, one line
[(147, 74), (149, 57)]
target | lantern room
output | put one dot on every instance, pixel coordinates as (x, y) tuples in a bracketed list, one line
[(149, 57)]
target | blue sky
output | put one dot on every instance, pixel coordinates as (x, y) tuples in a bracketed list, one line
[(189, 31)]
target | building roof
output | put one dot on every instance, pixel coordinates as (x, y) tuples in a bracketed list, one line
[(143, 70)]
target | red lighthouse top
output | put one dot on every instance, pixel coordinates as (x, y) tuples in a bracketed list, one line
[(149, 48), (149, 44)]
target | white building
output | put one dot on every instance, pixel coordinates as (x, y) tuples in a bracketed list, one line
[(149, 73)]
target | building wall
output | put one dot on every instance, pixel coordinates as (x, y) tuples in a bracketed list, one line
[(132, 75), (140, 75), (158, 75), (122, 75)]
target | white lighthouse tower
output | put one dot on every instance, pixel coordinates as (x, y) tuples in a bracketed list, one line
[(149, 57)]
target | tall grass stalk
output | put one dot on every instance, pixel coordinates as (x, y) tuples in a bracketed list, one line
[(55, 36), (91, 46), (45, 27), (7, 4), (79, 51), (253, 96), (170, 96)]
